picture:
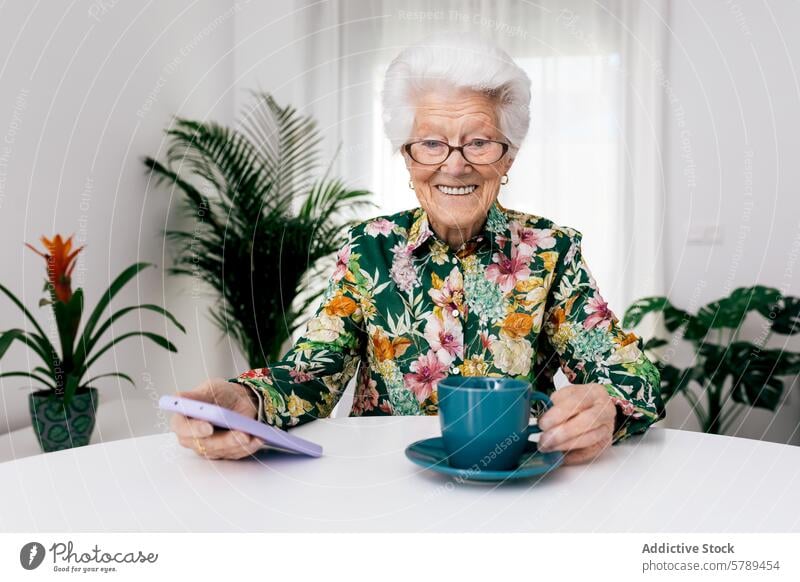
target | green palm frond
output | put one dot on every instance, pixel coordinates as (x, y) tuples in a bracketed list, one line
[(262, 220)]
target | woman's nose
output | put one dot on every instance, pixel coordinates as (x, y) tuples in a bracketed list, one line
[(455, 164)]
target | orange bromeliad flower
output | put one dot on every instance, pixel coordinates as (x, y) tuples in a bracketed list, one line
[(60, 264)]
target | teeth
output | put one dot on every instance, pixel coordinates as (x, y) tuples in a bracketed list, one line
[(456, 191)]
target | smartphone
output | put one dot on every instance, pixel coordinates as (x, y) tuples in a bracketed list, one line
[(272, 437)]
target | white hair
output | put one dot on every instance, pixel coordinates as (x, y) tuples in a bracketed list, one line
[(453, 61)]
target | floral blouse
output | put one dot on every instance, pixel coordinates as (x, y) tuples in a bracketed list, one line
[(517, 300)]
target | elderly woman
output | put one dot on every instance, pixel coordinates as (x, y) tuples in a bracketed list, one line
[(459, 285)]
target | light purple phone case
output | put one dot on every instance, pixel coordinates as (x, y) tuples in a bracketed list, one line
[(225, 418)]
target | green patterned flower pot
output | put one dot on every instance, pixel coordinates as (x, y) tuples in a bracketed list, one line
[(58, 427)]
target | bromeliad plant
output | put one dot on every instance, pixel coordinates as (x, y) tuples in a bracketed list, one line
[(726, 368), (64, 371), (262, 220)]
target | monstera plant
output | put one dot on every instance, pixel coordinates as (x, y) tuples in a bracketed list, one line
[(728, 375), (262, 220)]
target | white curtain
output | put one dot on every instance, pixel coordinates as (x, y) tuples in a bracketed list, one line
[(592, 158)]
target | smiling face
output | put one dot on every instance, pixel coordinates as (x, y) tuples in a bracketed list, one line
[(456, 118)]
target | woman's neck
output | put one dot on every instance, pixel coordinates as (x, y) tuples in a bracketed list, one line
[(456, 235)]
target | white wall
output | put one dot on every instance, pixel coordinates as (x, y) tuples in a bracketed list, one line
[(72, 85), (733, 130), (85, 93)]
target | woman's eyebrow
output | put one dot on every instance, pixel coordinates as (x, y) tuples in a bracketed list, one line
[(436, 133), (429, 133), (482, 134), (478, 129)]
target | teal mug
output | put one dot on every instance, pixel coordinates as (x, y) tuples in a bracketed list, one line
[(486, 421)]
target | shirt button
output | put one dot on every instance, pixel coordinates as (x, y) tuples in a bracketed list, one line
[(456, 371), (455, 260), (455, 313)]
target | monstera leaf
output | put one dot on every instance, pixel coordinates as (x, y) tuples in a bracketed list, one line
[(731, 311), (714, 363), (673, 317), (654, 342), (786, 316), (756, 373), (674, 380)]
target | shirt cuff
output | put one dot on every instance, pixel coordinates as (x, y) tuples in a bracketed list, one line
[(259, 396), (619, 421)]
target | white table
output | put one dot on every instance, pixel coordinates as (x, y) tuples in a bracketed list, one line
[(662, 481)]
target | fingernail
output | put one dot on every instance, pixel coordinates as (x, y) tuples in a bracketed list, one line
[(206, 430)]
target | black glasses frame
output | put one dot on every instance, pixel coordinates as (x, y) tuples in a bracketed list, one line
[(407, 148)]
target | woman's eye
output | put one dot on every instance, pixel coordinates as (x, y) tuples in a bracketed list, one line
[(431, 144), (478, 143)]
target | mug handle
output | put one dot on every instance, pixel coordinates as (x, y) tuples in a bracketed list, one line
[(541, 397)]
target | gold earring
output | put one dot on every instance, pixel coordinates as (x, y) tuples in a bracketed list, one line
[(506, 177), (411, 184)]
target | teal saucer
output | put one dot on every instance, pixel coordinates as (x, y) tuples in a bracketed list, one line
[(430, 454)]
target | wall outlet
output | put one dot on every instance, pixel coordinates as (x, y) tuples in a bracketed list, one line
[(705, 234)]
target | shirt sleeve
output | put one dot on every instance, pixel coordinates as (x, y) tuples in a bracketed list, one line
[(592, 347), (307, 382)]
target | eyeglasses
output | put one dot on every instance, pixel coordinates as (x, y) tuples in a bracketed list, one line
[(478, 151)]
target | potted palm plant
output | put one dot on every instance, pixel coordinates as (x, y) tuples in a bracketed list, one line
[(262, 221), (731, 375), (63, 412)]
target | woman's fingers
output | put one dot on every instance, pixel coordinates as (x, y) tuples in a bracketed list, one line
[(567, 402), (581, 415), (592, 437), (238, 445), (252, 447), (588, 426), (224, 444), (224, 440), (190, 427), (231, 442), (577, 456), (201, 436), (212, 390)]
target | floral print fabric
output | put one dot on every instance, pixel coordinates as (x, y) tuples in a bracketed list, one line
[(517, 300)]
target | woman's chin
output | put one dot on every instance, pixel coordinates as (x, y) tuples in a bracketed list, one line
[(471, 200)]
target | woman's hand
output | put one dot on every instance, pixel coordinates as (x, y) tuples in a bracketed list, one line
[(581, 421), (214, 442)]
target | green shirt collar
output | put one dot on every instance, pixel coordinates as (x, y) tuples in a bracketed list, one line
[(421, 235)]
